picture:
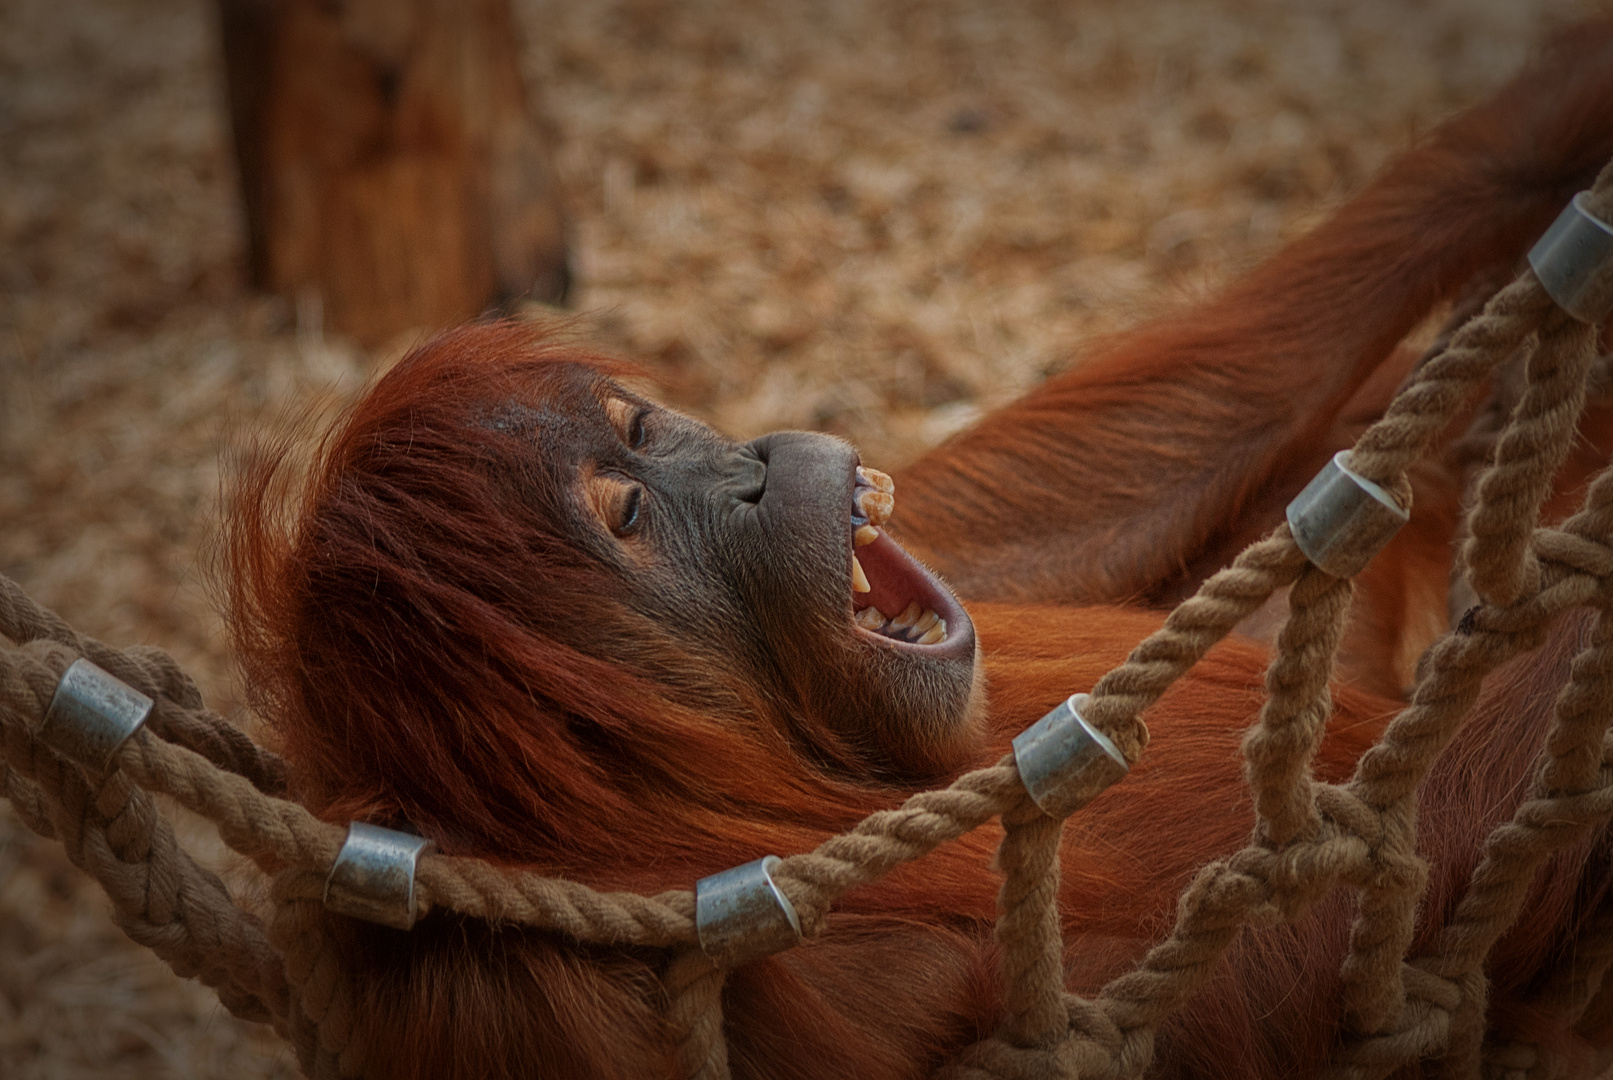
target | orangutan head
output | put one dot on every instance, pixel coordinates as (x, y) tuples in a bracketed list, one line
[(510, 566)]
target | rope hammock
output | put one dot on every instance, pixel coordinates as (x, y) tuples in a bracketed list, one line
[(1309, 838)]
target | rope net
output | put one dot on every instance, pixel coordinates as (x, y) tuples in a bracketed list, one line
[(1310, 837)]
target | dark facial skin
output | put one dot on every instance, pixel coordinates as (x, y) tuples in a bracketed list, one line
[(745, 549)]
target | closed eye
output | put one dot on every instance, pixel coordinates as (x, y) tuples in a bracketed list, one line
[(627, 418), (617, 500), (630, 514)]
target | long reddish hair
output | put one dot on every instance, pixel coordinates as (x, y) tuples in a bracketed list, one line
[(433, 647)]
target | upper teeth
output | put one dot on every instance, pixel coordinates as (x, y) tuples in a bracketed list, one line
[(875, 496), (875, 499), (874, 505), (877, 480)]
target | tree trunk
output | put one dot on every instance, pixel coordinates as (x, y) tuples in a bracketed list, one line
[(389, 159)]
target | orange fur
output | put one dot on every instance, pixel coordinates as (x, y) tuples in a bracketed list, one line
[(437, 652)]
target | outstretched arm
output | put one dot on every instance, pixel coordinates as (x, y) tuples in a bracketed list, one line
[(1108, 482)]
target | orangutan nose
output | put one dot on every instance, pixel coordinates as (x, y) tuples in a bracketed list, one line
[(745, 475)]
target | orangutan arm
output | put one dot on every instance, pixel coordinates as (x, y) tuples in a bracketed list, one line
[(1109, 482)]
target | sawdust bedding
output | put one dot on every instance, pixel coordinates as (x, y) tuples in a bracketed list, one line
[(874, 218)]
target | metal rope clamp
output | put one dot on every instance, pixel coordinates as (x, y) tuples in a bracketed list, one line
[(1064, 762), (373, 875), (741, 914), (1342, 519), (91, 715), (1574, 262)]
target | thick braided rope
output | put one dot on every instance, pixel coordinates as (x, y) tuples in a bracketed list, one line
[(278, 833), (1566, 800), (112, 831), (262, 826), (1387, 775), (1028, 928), (164, 901), (1383, 453), (1567, 993), (1421, 411), (179, 715), (1226, 894), (886, 839), (1270, 879), (1527, 456), (1538, 436), (1565, 805), (1191, 630), (694, 1013), (1038, 1039), (324, 1015), (877, 845), (1214, 908), (1280, 747), (160, 897), (1229, 892), (1501, 566)]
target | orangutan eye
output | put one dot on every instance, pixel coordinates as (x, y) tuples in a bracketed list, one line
[(616, 500), (628, 420), (629, 512)]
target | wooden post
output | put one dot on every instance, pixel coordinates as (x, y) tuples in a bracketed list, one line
[(389, 159)]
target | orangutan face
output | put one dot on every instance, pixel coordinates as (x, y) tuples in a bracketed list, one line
[(771, 552)]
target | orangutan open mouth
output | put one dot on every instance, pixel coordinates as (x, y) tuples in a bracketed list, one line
[(892, 596)]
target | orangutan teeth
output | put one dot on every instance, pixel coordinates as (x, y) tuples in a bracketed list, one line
[(874, 505), (870, 618), (865, 535), (859, 580), (873, 499), (907, 618), (877, 480), (920, 626)]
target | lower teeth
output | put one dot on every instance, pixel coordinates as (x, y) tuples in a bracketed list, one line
[(915, 624)]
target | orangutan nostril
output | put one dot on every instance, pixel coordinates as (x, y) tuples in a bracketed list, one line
[(747, 478)]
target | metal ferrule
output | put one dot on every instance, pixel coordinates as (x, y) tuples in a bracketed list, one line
[(1574, 262), (373, 876), (741, 915), (1064, 762), (1342, 519), (91, 715)]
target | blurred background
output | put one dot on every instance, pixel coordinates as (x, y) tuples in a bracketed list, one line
[(871, 217)]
